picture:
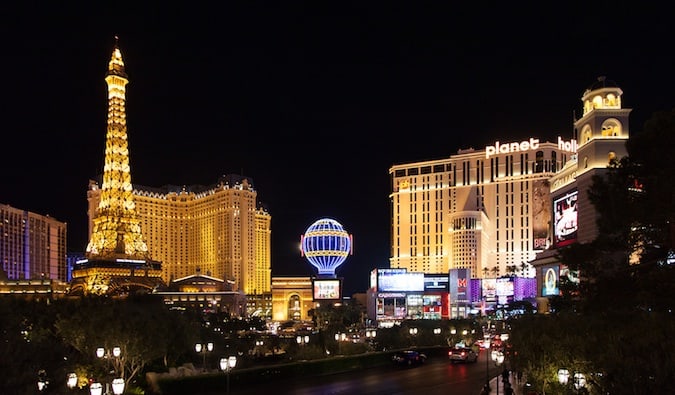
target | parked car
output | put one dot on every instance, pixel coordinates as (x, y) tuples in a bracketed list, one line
[(462, 354), (409, 358)]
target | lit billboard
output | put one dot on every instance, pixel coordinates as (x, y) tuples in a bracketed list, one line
[(326, 289), (399, 280), (549, 280), (541, 214), (489, 288), (565, 220), (460, 285)]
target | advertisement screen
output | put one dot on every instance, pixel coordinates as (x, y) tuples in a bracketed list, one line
[(549, 280), (541, 215), (400, 281), (326, 289), (504, 286), (565, 221), (489, 288)]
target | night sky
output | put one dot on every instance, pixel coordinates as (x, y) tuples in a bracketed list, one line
[(314, 103)]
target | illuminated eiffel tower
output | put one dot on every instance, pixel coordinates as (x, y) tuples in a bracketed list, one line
[(117, 260)]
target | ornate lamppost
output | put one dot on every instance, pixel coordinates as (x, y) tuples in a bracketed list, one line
[(203, 349), (302, 340), (498, 358), (579, 380), (486, 344), (227, 364), (112, 357), (339, 338), (370, 336), (71, 380), (42, 380)]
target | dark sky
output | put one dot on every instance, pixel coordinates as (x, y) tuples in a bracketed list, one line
[(315, 103)]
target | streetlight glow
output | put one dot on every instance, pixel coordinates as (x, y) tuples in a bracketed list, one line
[(227, 364)]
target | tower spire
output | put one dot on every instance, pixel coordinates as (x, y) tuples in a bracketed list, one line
[(116, 229)]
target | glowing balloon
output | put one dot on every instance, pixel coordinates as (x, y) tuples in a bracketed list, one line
[(326, 245)]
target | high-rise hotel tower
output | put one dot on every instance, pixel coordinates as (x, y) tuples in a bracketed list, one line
[(485, 210), (219, 230), (32, 246)]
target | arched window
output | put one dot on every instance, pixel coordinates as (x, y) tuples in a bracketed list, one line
[(586, 134), (611, 128)]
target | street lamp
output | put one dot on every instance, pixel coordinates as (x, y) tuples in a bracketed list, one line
[(71, 380), (486, 345), (579, 380), (370, 335), (203, 349), (112, 357), (227, 364), (339, 338), (498, 358), (42, 381)]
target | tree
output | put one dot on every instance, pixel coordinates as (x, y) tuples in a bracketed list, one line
[(141, 326)]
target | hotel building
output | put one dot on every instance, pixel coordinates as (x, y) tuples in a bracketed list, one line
[(484, 210), (603, 131), (32, 246), (217, 230)]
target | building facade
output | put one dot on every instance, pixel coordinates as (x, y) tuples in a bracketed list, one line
[(603, 131), (32, 246), (484, 210), (219, 230)]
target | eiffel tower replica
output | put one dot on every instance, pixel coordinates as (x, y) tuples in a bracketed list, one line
[(117, 261)]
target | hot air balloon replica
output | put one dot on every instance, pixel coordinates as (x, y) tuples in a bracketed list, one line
[(326, 245)]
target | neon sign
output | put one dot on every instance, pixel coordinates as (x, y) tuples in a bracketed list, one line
[(526, 145)]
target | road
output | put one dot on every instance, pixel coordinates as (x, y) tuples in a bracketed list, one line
[(437, 376)]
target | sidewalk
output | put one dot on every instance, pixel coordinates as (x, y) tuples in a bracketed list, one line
[(518, 387)]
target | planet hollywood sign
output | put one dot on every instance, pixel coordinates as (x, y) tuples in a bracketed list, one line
[(526, 145)]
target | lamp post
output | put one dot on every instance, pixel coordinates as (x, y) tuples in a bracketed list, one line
[(339, 338), (498, 358), (42, 380), (579, 380), (227, 364), (413, 333), (486, 344), (302, 340), (370, 335), (112, 357), (71, 380), (203, 349)]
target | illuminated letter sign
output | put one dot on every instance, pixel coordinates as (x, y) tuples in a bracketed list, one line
[(461, 282), (569, 146), (498, 148)]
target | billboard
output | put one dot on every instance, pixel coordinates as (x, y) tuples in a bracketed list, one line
[(399, 280), (565, 218), (436, 282), (489, 289), (541, 214), (549, 280), (460, 285), (326, 289)]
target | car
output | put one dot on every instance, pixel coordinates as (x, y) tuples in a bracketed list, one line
[(462, 354), (409, 358)]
